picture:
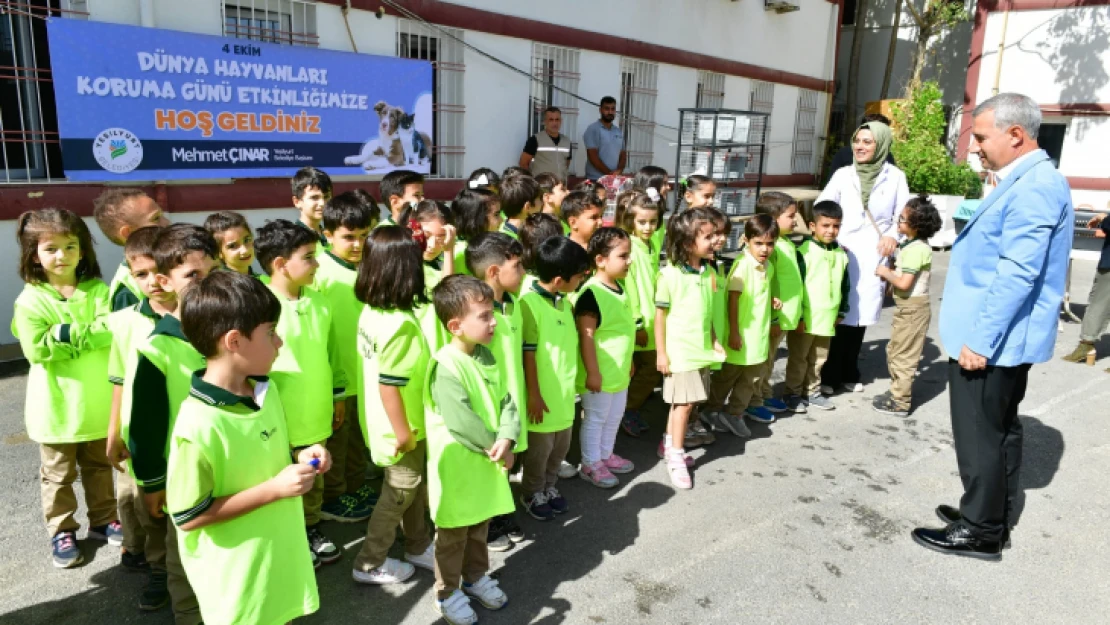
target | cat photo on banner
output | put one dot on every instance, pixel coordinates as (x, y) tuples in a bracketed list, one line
[(403, 140)]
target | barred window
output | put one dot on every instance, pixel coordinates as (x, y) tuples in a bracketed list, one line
[(556, 74), (636, 111), (805, 134), (444, 48), (762, 101), (711, 90), (289, 22)]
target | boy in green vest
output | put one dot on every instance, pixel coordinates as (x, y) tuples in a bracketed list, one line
[(183, 255), (234, 489), (750, 306), (824, 270), (550, 345), (307, 372), (787, 287), (311, 193), (472, 424), (347, 222), (400, 188), (119, 212), (520, 197), (582, 214), (498, 261)]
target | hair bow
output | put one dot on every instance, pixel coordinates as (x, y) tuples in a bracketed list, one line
[(481, 181), (652, 194), (418, 234)]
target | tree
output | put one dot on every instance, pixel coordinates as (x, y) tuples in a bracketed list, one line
[(853, 72), (934, 17), (893, 48)]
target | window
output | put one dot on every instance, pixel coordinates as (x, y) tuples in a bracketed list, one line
[(556, 76), (636, 111), (290, 22), (1051, 139), (848, 13), (443, 47), (762, 100), (805, 133), (711, 90)]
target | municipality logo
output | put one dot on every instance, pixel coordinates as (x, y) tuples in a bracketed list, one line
[(118, 150)]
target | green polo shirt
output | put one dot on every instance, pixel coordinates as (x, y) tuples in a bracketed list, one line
[(123, 290), (687, 294), (129, 326), (335, 279)]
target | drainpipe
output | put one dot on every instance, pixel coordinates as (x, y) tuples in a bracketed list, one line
[(146, 13), (1001, 49)]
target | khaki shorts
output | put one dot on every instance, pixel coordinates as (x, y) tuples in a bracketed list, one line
[(686, 387)]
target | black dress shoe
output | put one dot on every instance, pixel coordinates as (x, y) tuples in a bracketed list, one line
[(949, 515), (957, 540)]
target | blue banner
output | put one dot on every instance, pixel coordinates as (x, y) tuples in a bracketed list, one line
[(149, 104)]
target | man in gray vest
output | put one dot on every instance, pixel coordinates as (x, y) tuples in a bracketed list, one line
[(548, 152)]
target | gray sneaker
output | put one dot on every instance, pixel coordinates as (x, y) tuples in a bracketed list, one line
[(736, 425), (819, 401), (713, 421), (795, 404)]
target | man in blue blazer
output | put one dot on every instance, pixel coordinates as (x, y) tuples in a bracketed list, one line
[(1001, 305)]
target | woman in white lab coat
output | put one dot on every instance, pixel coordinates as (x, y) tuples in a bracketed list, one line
[(881, 187)]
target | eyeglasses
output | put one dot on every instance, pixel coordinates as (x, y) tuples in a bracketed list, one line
[(902, 219)]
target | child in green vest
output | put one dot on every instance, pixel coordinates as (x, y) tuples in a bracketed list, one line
[(606, 336), (551, 346), (183, 255), (401, 189), (520, 197), (553, 192), (476, 211), (473, 424), (659, 182), (234, 490), (699, 431), (497, 260), (436, 223), (582, 214), (143, 541), (233, 235), (638, 215), (118, 213), (787, 288), (824, 270), (60, 319), (918, 222), (347, 221), (685, 345), (392, 365), (751, 303), (537, 229), (308, 371), (311, 193)]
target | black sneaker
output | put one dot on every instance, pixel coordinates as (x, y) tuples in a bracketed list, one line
[(557, 502), (66, 552), (346, 509), (155, 596), (887, 405), (496, 540), (134, 562), (511, 529), (322, 547), (537, 506), (367, 495), (112, 533)]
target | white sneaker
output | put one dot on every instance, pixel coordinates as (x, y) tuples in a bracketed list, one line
[(390, 572), (853, 387), (426, 560), (487, 592), (456, 609), (567, 470)]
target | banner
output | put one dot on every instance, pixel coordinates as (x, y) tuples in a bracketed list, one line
[(149, 104)]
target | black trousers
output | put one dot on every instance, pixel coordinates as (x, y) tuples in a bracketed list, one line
[(842, 367), (987, 433)]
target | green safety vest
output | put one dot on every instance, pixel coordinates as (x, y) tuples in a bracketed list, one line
[(556, 361), (787, 285), (754, 311), (507, 347), (640, 284), (613, 339), (824, 275)]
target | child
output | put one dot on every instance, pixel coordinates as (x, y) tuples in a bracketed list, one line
[(393, 363), (696, 191), (118, 213), (472, 425), (554, 191), (656, 179), (919, 221), (233, 235), (550, 343), (308, 370), (750, 304), (496, 259), (347, 221), (582, 214), (435, 224), (638, 215), (597, 192), (787, 288), (476, 211), (606, 336), (311, 192), (700, 431), (232, 491), (514, 170), (483, 178), (60, 320), (825, 279), (401, 188), (685, 345), (537, 229), (520, 197)]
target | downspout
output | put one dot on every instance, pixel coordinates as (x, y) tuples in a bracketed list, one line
[(146, 13), (1001, 49), (345, 10)]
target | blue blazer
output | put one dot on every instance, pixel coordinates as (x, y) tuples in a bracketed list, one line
[(1007, 274)]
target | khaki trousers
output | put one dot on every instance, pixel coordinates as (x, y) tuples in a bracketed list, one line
[(765, 391), (186, 610), (461, 555), (129, 500), (313, 500), (546, 451), (907, 340), (404, 501), (803, 374), (739, 385), (155, 530), (348, 455), (58, 472), (644, 382)]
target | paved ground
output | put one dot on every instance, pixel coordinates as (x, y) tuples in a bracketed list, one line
[(808, 522)]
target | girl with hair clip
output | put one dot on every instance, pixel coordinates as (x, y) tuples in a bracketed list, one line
[(434, 223), (694, 191), (685, 343), (476, 211), (655, 182), (60, 319), (483, 178)]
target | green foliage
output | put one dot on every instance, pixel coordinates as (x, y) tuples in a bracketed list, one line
[(919, 124)]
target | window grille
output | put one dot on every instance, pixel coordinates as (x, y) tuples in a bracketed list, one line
[(445, 51), (636, 111), (556, 73), (289, 22), (762, 101), (805, 134), (711, 90)]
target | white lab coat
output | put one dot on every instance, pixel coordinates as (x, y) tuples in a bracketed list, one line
[(858, 237)]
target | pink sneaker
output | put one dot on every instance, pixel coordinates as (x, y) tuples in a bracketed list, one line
[(598, 475), (616, 464), (663, 454), (680, 474)]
